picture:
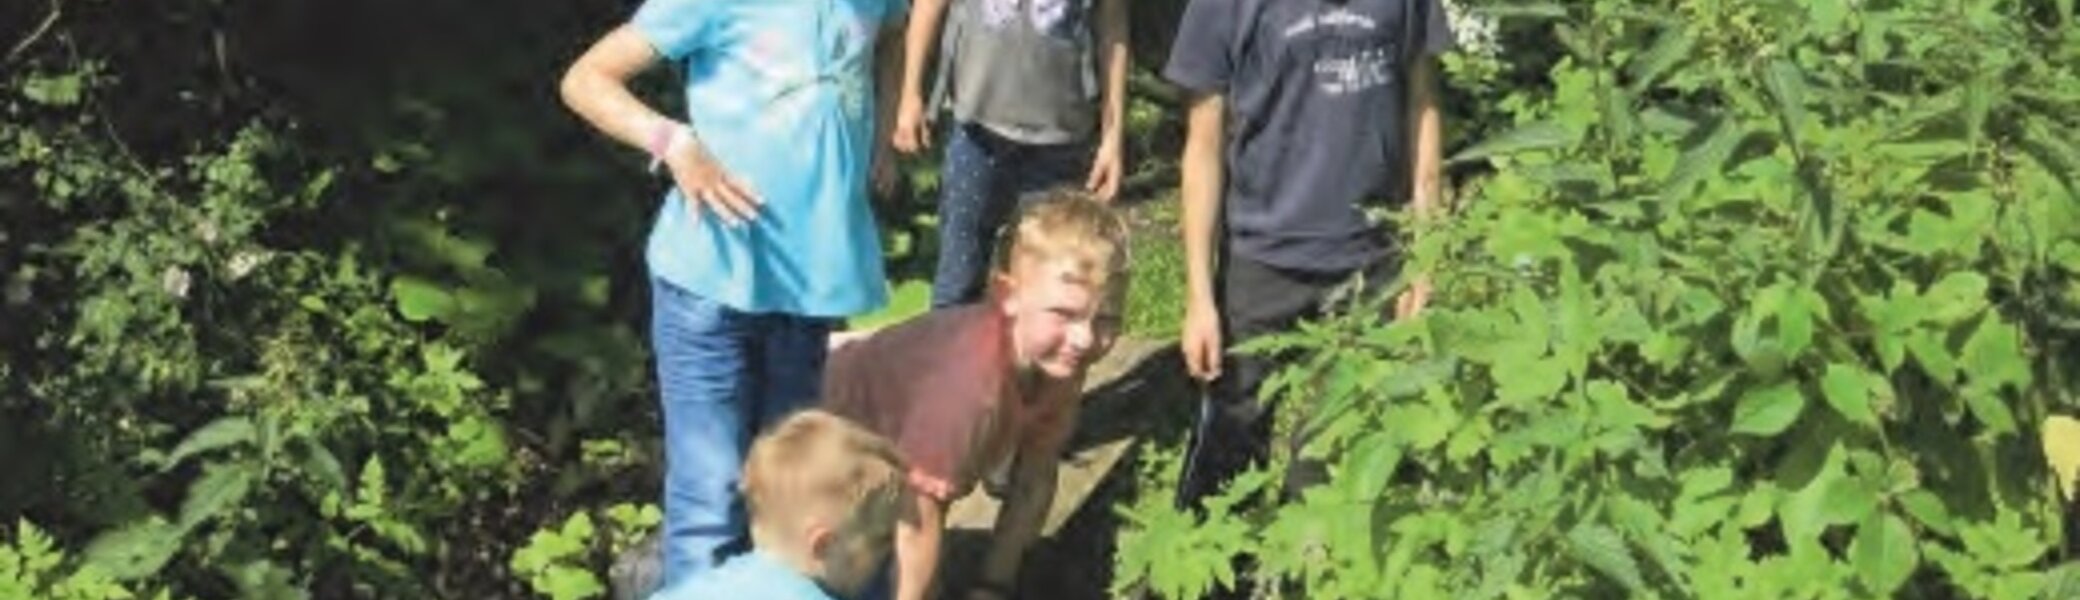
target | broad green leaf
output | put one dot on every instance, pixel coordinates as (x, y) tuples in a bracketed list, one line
[(2064, 580), (55, 90), (135, 551), (1884, 553), (1927, 347), (1604, 550), (1376, 460), (1703, 159), (1768, 411), (1928, 510), (1788, 85), (1538, 135), (1978, 103), (420, 300), (1698, 483), (265, 579), (1956, 297), (1827, 15), (1620, 118), (1794, 324), (222, 487), (1758, 505), (1848, 390), (1993, 356), (319, 462), (1833, 497), (1992, 359), (1669, 49), (2052, 151), (571, 583), (221, 433)]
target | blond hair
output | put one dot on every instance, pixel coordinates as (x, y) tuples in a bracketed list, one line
[(815, 464), (1068, 223)]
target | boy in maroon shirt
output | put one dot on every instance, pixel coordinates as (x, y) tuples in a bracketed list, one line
[(961, 389)]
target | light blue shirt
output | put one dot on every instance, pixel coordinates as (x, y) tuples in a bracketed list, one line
[(753, 576), (782, 93)]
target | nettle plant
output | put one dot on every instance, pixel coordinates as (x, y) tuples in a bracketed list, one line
[(1762, 300), (228, 410)]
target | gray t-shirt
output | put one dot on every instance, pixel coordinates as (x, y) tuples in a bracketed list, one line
[(1316, 118), (1022, 68)]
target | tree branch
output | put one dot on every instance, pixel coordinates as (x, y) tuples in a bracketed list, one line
[(57, 9)]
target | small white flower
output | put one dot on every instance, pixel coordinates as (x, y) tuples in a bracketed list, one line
[(207, 230), (175, 281), (245, 262), (1475, 32)]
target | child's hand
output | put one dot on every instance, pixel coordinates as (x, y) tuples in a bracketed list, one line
[(1106, 169), (912, 134), (705, 183), (1202, 341)]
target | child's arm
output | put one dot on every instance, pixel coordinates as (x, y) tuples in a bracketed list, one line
[(1201, 195), (1109, 165), (1427, 172), (922, 34), (596, 87), (1032, 485), (918, 538), (888, 77)]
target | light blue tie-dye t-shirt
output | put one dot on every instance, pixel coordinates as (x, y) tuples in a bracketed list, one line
[(752, 576), (782, 93)]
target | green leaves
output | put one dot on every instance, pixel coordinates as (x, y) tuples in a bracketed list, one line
[(1993, 358), (1848, 390), (1706, 157), (420, 300), (547, 561), (1828, 16), (221, 488), (1788, 85), (221, 433), (1768, 411), (1670, 48), (1884, 553), (135, 551), (1540, 135), (1604, 550)]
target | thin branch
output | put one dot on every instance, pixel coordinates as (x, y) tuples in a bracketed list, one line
[(57, 9)]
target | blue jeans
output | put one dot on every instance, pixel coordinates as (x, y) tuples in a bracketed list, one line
[(982, 179), (724, 375)]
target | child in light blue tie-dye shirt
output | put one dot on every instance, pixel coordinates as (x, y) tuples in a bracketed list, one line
[(765, 237)]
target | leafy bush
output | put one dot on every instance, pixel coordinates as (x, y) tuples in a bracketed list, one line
[(1759, 302)]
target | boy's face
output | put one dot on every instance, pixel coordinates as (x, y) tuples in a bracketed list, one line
[(855, 552), (1060, 322)]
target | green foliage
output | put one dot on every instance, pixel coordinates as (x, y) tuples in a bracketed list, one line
[(31, 566), (256, 343), (1751, 306), (561, 563), (543, 561)]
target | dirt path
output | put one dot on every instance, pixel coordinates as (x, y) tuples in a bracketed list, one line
[(1137, 397)]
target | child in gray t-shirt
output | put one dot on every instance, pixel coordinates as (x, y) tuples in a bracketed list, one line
[(1037, 89)]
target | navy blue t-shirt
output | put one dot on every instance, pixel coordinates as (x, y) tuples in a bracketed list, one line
[(1316, 117)]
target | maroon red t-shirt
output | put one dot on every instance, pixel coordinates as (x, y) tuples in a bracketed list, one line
[(942, 386)]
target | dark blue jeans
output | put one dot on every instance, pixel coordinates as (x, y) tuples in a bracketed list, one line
[(724, 375), (982, 180)]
